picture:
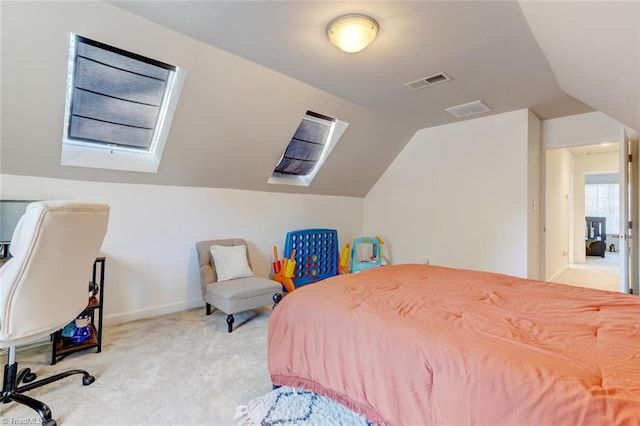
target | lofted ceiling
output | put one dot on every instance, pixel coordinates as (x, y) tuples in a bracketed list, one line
[(594, 51), (487, 47), (254, 68)]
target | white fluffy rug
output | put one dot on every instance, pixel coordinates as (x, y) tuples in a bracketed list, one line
[(291, 406)]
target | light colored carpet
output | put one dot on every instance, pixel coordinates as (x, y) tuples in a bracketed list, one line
[(599, 273), (179, 369)]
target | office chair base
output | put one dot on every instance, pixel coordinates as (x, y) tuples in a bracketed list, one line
[(12, 391)]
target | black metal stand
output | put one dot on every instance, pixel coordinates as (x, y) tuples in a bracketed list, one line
[(61, 347), (11, 391)]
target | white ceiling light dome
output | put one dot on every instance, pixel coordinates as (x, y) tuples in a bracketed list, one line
[(352, 33)]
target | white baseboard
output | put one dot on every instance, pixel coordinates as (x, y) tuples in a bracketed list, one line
[(121, 318), (557, 274), (152, 312)]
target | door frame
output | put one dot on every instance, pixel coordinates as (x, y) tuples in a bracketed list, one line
[(573, 228), (629, 255)]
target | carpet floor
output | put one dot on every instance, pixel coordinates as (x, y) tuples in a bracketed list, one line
[(178, 369), (597, 272)]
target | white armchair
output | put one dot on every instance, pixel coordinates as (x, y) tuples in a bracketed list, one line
[(44, 285)]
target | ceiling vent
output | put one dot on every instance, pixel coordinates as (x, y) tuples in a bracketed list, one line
[(428, 81), (465, 110)]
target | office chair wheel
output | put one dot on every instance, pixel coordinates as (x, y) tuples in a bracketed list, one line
[(25, 376), (29, 377), (88, 379), (50, 422)]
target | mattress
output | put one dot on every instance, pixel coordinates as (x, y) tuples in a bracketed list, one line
[(428, 345)]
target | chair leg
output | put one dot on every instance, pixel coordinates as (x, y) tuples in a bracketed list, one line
[(230, 320), (41, 408), (25, 375), (277, 297), (87, 379), (208, 309), (11, 391)]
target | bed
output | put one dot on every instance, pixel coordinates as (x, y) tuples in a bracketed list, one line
[(596, 236), (428, 345)]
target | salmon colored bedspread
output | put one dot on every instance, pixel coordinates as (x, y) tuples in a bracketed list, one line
[(426, 345)]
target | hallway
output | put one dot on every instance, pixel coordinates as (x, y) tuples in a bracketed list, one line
[(600, 273)]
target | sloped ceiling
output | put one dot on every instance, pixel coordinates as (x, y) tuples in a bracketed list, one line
[(254, 68), (485, 46), (594, 51)]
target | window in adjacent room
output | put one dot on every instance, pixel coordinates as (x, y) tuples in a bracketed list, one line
[(119, 107), (307, 150), (603, 200)]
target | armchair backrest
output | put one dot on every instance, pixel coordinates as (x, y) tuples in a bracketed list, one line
[(207, 267), (45, 285)]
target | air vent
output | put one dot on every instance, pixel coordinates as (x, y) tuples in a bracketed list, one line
[(465, 110), (428, 81)]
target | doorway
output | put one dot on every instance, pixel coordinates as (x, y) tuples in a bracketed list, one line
[(583, 182)]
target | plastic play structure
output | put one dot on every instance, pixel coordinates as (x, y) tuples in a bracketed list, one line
[(343, 268), (372, 246), (310, 255), (284, 269)]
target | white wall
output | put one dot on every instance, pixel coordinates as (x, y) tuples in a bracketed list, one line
[(559, 172), (151, 266), (458, 194)]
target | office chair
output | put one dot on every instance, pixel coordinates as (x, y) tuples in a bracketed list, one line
[(44, 285)]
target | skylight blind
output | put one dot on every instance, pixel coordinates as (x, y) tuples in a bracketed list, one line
[(117, 95), (306, 146)]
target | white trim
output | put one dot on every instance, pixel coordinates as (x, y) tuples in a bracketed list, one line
[(165, 117), (155, 311), (559, 273), (106, 158)]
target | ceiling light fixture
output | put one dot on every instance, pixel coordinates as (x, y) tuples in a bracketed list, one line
[(352, 33)]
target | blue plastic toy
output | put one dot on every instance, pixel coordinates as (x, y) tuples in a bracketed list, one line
[(373, 250), (82, 332), (316, 254)]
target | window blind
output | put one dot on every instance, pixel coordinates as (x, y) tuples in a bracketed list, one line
[(306, 146), (117, 95)]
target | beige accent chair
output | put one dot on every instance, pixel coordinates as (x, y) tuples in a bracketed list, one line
[(236, 295), (44, 286)]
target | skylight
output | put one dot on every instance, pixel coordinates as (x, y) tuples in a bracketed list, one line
[(119, 107), (307, 150)]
